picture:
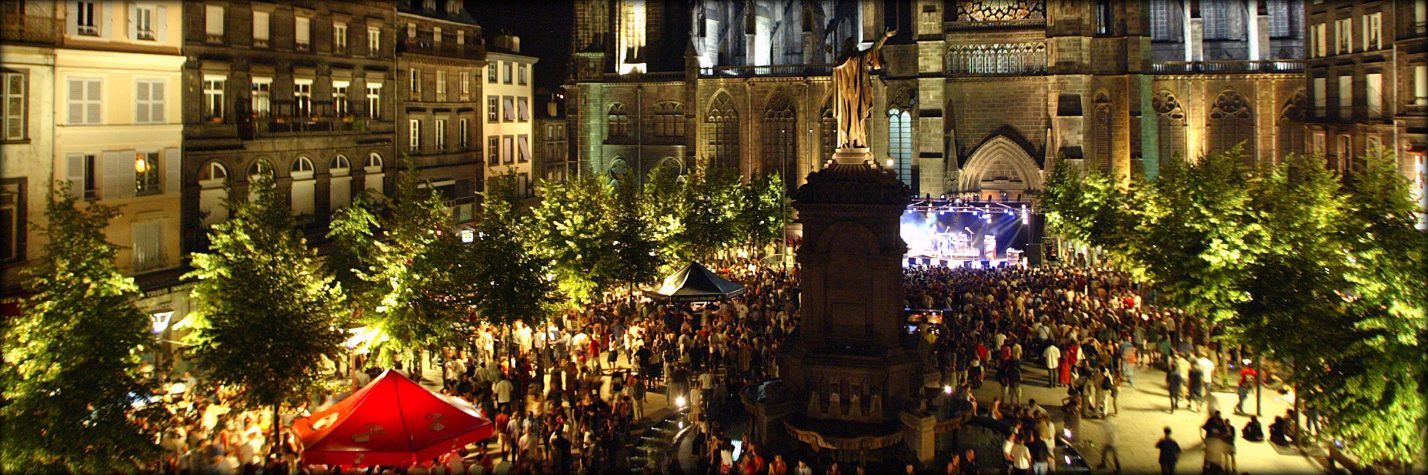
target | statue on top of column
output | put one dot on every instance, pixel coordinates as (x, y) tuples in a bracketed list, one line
[(853, 93)]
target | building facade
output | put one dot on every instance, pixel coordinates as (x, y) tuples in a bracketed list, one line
[(29, 33), (509, 118), (1368, 80), (552, 142), (440, 54), (302, 92), (976, 97)]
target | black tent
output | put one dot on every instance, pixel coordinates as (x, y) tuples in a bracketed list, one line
[(695, 283)]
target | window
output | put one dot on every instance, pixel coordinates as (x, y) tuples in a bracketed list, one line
[(721, 127), (82, 180), (12, 220), (148, 245), (374, 163), (523, 109), (1166, 20), (1346, 97), (617, 122), (493, 151), (669, 120), (1345, 153), (505, 73), (521, 75), (492, 109), (149, 101), (261, 29), (1344, 31), (463, 134), (84, 101), (779, 132), (374, 40), (436, 35), (301, 190), (440, 134), (1373, 29), (213, 23), (1373, 94), (900, 143), (16, 104), (374, 100), (1224, 19), (340, 183), (213, 97), (85, 23), (1321, 40), (414, 135), (1321, 96), (415, 75), (523, 148), (508, 109), (143, 23), (465, 83), (827, 134), (440, 85), (213, 191), (1281, 18), (339, 38), (411, 31), (340, 108), (146, 173), (1420, 85), (1103, 17), (303, 28), (507, 157), (491, 72), (302, 97), (460, 37)]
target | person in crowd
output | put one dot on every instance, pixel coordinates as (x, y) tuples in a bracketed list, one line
[(1169, 453)]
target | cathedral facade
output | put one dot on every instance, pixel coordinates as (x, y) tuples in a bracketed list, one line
[(977, 96)]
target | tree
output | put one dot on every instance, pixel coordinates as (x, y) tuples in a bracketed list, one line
[(761, 211), (712, 197), (509, 279), (665, 207), (573, 222), (73, 398), (355, 252), (413, 305), (265, 316), (633, 254)]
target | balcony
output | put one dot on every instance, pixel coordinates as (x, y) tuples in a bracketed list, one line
[(449, 50), (322, 117), (770, 70), (18, 28), (1228, 67)]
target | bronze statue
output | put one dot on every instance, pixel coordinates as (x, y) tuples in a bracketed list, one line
[(853, 94)]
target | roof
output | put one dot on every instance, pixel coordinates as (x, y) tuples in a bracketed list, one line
[(695, 283)]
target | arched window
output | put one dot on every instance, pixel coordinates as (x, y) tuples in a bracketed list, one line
[(302, 188), (1232, 122), (669, 121), (1170, 123), (900, 144), (340, 166), (1101, 132), (213, 192), (780, 146), (374, 163), (1291, 126), (618, 124), (721, 132), (260, 168), (373, 181), (827, 136), (339, 186)]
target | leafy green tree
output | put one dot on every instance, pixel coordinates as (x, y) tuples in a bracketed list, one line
[(265, 315), (71, 374), (664, 208), (355, 252), (761, 211), (633, 255), (573, 222), (508, 278), (712, 203), (1088, 206)]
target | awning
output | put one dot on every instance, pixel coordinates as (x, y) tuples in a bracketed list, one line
[(695, 283)]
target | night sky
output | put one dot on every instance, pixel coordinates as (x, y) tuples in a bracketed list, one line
[(544, 28)]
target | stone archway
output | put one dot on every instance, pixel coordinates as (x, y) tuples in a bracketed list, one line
[(1000, 166)]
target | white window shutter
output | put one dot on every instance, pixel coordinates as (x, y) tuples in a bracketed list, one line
[(93, 96), (156, 93), (76, 101), (133, 22), (118, 175), (71, 24), (173, 170), (141, 103), (76, 174), (161, 20), (106, 26)]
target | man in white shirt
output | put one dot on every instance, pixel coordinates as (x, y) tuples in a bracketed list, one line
[(1020, 456), (1053, 361), (503, 390)]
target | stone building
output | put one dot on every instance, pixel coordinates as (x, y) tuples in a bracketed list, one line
[(1368, 80), (303, 92), (977, 97), (440, 58), (509, 123), (552, 144), (29, 34)]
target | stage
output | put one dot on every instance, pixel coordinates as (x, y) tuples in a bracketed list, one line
[(956, 233)]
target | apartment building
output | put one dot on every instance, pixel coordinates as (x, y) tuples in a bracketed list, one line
[(509, 123)]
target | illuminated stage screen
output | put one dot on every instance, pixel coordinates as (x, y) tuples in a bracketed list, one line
[(956, 235)]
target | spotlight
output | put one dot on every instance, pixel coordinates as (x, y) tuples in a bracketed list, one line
[(679, 402), (947, 388)]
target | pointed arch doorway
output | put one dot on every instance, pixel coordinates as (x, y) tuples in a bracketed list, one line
[(1000, 170)]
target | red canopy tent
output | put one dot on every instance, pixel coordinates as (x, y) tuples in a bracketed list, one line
[(392, 421)]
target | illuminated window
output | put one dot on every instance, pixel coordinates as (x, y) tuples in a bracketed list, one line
[(261, 96), (900, 143), (261, 29), (374, 100), (16, 104), (213, 97), (146, 173), (302, 97), (339, 98)]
